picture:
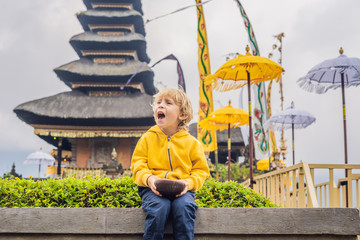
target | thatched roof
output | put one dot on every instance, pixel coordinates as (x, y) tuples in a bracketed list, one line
[(112, 17), (85, 66), (93, 41), (92, 37), (136, 3), (85, 70), (75, 105), (222, 136)]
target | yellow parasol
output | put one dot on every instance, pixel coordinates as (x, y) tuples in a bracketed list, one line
[(225, 118), (263, 164), (240, 71), (234, 73)]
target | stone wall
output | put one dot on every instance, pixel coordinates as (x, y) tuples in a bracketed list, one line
[(220, 223)]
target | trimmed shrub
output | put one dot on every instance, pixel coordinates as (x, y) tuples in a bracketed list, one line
[(229, 194), (118, 193)]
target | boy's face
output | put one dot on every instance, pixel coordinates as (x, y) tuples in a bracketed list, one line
[(167, 114)]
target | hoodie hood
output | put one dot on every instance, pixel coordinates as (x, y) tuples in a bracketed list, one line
[(156, 129)]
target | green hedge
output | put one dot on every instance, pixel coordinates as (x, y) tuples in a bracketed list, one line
[(119, 193), (238, 173)]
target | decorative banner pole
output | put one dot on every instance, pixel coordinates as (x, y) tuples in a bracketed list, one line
[(283, 147), (273, 145)]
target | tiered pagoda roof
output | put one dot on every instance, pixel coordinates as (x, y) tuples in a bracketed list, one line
[(105, 21), (73, 108), (92, 44), (84, 73), (117, 4), (111, 83)]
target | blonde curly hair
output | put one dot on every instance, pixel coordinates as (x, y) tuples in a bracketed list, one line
[(182, 100)]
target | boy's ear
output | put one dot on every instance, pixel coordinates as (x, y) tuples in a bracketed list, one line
[(182, 116)]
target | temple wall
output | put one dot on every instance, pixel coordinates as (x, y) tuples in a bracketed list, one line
[(83, 152), (124, 152)]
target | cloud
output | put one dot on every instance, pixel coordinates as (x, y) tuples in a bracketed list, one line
[(18, 136)]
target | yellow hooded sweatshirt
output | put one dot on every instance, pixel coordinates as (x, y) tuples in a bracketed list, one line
[(180, 156)]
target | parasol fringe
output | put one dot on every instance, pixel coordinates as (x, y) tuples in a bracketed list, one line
[(233, 74), (218, 126), (310, 86), (320, 88), (353, 84), (280, 127), (226, 85), (223, 86)]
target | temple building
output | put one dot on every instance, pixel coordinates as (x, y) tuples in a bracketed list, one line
[(111, 86)]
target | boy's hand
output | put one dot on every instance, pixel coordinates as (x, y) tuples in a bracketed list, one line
[(185, 188), (151, 183)]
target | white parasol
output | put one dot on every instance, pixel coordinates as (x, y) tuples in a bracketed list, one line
[(290, 118), (39, 157)]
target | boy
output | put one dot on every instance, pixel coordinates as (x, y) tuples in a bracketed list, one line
[(168, 151)]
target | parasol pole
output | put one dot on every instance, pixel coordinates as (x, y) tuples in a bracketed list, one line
[(293, 143), (250, 132), (345, 141), (344, 117), (59, 157), (229, 152), (341, 51), (39, 168), (216, 164), (39, 165)]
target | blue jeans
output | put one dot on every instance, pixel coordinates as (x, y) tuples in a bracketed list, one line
[(182, 210)]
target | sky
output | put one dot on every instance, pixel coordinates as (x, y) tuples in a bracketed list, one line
[(34, 39)]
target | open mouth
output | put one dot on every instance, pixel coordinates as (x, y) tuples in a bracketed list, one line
[(161, 115)]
